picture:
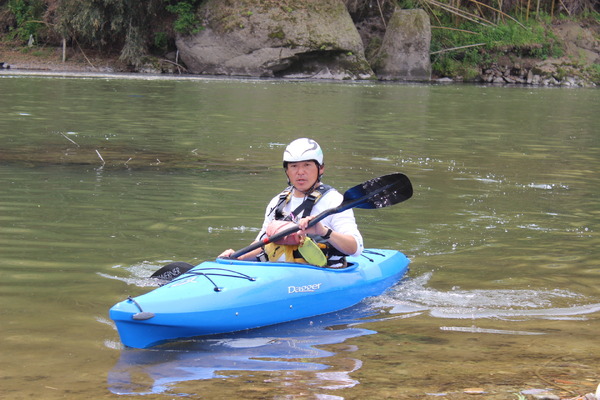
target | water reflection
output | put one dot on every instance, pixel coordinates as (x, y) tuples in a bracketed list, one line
[(291, 346)]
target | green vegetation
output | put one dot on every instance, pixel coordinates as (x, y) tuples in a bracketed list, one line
[(278, 33), (161, 41), (132, 28), (110, 24), (186, 23), (461, 50), (27, 15), (594, 72)]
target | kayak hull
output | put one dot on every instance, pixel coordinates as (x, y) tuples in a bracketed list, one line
[(231, 295)]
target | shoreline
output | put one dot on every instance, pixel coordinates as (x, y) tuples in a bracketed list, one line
[(109, 75), (83, 73)]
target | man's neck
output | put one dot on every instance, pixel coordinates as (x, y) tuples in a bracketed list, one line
[(298, 193)]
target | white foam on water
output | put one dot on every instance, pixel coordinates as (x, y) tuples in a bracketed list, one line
[(138, 274), (413, 295), (475, 329), (242, 229)]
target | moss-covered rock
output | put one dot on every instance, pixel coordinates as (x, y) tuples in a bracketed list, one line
[(404, 53), (265, 39)]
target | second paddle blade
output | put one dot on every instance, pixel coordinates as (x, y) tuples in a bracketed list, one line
[(381, 192)]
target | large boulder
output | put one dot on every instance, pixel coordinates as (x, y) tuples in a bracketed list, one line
[(404, 53), (262, 38)]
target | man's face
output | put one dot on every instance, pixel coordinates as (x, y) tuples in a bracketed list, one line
[(303, 174)]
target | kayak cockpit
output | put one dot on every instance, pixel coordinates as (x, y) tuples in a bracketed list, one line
[(229, 261)]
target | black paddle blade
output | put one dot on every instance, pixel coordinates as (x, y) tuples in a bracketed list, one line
[(380, 192), (172, 271)]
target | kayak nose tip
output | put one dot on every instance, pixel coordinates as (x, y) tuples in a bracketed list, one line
[(142, 316)]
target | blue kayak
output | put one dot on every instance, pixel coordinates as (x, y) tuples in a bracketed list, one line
[(231, 295)]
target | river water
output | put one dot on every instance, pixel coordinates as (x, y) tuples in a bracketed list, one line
[(106, 179)]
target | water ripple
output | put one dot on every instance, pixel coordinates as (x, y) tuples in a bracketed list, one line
[(138, 274), (514, 304)]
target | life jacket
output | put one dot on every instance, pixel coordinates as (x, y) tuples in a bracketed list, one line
[(305, 208), (335, 258)]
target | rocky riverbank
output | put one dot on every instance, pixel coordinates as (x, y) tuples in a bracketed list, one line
[(579, 67), (543, 74)]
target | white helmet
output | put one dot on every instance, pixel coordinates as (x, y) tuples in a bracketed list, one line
[(303, 149)]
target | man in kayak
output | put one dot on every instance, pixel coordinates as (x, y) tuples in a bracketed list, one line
[(337, 235)]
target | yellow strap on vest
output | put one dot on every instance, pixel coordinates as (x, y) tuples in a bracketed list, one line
[(310, 251)]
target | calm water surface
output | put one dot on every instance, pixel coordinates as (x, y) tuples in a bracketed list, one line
[(105, 180)]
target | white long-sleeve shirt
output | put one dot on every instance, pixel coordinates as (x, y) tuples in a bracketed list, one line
[(343, 222)]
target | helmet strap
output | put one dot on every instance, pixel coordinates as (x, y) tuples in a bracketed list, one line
[(311, 189)]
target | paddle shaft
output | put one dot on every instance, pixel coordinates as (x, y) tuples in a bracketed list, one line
[(379, 192)]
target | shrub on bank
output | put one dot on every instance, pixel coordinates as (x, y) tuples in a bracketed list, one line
[(465, 50)]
